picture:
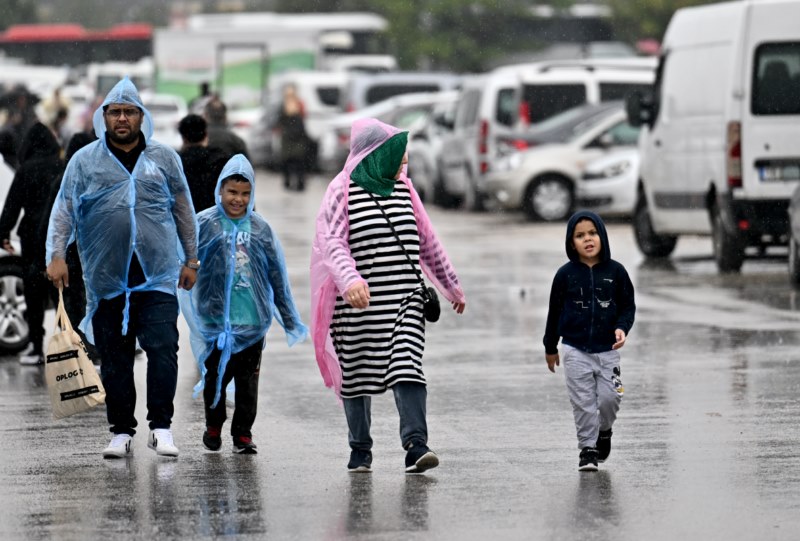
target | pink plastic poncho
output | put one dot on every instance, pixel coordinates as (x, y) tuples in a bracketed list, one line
[(333, 269)]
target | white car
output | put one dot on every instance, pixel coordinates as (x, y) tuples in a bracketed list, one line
[(13, 327), (608, 184), (167, 111), (542, 181)]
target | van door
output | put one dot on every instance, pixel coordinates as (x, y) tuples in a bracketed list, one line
[(771, 123)]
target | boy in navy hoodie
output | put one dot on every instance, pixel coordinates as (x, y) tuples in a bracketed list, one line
[(592, 311)]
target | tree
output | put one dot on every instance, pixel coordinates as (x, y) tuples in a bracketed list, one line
[(17, 12), (645, 18)]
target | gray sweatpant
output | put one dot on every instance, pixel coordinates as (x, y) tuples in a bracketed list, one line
[(595, 400)]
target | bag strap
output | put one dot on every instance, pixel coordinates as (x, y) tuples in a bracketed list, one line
[(62, 319), (394, 231)]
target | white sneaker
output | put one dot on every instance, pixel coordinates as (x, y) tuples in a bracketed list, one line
[(160, 441), (120, 446), (31, 359)]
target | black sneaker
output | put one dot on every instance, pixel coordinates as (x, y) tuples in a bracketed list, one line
[(244, 445), (604, 445), (420, 458), (211, 438), (360, 461), (588, 459)]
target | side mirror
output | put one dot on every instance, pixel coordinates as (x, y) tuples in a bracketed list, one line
[(639, 109)]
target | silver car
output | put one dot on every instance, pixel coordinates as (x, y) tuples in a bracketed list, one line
[(13, 327)]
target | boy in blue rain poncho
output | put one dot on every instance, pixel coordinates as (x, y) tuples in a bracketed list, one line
[(125, 200), (242, 286)]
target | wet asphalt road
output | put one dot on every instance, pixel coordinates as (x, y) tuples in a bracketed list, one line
[(706, 446)]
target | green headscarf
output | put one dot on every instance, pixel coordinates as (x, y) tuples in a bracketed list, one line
[(376, 172)]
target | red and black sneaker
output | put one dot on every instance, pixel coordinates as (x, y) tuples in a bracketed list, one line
[(244, 445), (211, 438)]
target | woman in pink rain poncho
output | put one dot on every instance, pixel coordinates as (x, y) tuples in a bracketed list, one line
[(367, 305)]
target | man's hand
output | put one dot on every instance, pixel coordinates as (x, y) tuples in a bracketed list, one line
[(187, 279), (58, 273)]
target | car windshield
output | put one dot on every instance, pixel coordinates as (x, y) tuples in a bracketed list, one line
[(566, 125), (587, 124)]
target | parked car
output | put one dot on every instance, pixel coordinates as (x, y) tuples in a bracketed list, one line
[(401, 111), (426, 136), (509, 98), (719, 149), (167, 111), (542, 181), (608, 184), (366, 89), (794, 237), (13, 327)]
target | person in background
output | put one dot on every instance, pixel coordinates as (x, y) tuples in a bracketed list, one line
[(201, 164), (219, 134), (243, 285), (40, 168), (125, 199), (294, 147), (367, 300), (592, 310)]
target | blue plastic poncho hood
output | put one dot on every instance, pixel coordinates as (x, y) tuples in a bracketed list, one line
[(123, 92), (242, 284), (115, 214)]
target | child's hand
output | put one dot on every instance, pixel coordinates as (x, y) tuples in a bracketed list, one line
[(552, 361), (619, 334), (459, 307)]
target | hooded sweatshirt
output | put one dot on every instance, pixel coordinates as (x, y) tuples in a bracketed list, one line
[(115, 214), (242, 284), (587, 304)]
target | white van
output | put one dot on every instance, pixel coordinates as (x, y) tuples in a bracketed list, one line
[(719, 149), (513, 97)]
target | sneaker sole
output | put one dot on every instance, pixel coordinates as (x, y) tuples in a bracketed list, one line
[(161, 452), (360, 469), (214, 449), (249, 451), (426, 462), (588, 467)]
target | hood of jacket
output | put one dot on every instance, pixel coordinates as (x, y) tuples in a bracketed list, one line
[(123, 92), (605, 249), (366, 135), (39, 142), (237, 165)]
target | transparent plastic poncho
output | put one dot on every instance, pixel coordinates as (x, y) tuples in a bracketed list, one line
[(333, 269), (115, 214), (238, 257)]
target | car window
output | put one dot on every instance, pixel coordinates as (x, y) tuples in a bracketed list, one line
[(620, 91), (506, 113), (622, 134), (467, 113), (407, 117), (381, 92), (776, 79), (545, 100), (329, 95)]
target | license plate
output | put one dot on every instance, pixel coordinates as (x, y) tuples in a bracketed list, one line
[(780, 172)]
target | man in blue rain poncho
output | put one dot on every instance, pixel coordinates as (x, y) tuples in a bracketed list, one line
[(125, 199), (243, 285)]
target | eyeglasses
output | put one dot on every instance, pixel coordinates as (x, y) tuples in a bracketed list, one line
[(130, 112)]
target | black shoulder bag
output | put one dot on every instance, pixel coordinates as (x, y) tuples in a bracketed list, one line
[(430, 300)]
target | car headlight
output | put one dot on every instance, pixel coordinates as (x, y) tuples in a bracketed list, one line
[(508, 162), (613, 170)]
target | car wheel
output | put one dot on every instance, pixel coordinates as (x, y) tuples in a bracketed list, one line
[(549, 199), (13, 327), (794, 262), (650, 244), (728, 249)]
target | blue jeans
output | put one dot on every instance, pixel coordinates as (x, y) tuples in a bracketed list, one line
[(410, 399), (153, 320)]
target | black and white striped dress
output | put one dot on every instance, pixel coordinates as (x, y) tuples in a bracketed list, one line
[(382, 344)]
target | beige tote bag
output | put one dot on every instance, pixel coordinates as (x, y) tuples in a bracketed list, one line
[(71, 378)]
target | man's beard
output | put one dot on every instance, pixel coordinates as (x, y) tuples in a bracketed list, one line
[(132, 137)]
